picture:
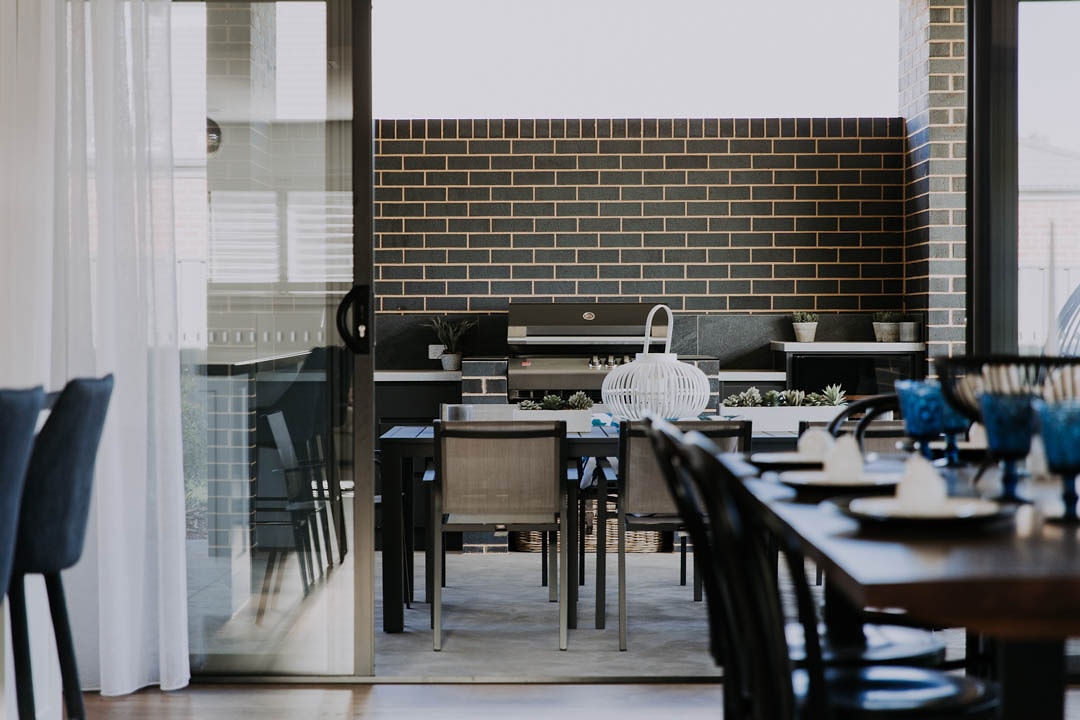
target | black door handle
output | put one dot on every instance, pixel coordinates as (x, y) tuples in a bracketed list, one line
[(356, 337)]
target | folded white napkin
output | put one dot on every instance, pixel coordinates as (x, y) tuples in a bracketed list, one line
[(844, 460), (815, 443), (922, 487), (977, 436)]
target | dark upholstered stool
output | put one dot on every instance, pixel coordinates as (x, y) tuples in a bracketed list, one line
[(52, 526)]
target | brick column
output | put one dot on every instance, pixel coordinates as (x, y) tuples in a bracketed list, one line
[(933, 103)]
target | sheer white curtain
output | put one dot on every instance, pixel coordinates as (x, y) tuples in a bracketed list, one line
[(99, 296)]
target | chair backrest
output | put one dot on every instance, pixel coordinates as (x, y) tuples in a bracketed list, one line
[(500, 467), (641, 479), (761, 622), (19, 411), (879, 436), (56, 502)]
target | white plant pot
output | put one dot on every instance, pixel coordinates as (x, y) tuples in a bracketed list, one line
[(782, 418), (805, 331), (576, 420), (909, 332), (886, 332), (450, 361)]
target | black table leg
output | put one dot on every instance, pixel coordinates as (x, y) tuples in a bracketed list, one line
[(1032, 678), (392, 540), (409, 486), (571, 553), (843, 622)]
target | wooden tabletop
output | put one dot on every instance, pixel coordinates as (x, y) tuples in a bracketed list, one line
[(1019, 580)]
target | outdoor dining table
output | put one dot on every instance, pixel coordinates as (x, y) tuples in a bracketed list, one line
[(405, 447), (1017, 582)]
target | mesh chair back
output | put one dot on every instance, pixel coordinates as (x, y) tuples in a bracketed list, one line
[(645, 489), (56, 502), (500, 468), (18, 416), (880, 436)]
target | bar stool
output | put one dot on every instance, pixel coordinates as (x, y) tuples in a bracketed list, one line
[(52, 527)]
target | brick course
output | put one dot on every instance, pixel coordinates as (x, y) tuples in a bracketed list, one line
[(707, 215)]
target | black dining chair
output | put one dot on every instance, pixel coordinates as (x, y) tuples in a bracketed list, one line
[(52, 527), (883, 643), (812, 689), (19, 410)]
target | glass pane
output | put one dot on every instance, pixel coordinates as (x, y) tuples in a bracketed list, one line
[(1049, 164), (264, 226)]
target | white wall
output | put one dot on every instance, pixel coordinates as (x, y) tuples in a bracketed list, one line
[(635, 58)]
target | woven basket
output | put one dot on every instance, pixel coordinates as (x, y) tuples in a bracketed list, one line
[(636, 540)]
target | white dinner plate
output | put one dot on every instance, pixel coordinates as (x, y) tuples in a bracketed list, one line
[(954, 508), (820, 479), (790, 457)]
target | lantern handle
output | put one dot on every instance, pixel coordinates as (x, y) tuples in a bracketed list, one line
[(648, 328)]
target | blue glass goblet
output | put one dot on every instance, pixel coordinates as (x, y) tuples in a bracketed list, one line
[(1060, 428), (1009, 423), (921, 404), (953, 423)]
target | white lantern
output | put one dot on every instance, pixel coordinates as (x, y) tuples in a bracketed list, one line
[(656, 382)]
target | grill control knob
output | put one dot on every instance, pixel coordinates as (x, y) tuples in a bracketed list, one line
[(611, 361), (595, 362), (625, 359)]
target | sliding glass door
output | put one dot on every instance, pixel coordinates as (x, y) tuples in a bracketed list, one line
[(279, 579)]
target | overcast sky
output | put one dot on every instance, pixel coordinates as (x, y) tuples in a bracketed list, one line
[(1049, 70), (635, 58)]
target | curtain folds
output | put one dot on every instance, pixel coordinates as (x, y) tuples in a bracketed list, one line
[(104, 299)]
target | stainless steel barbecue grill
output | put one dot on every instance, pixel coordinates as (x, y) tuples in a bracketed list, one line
[(565, 347)]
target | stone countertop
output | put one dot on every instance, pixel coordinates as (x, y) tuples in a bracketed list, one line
[(417, 376), (752, 375), (847, 347)]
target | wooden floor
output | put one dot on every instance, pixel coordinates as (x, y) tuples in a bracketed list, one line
[(430, 702)]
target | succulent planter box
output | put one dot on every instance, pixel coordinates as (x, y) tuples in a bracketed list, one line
[(576, 420), (783, 418)]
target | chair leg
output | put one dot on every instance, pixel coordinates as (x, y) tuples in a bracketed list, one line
[(436, 590), (543, 558), (564, 575), (65, 648), (313, 524), (682, 560), (298, 540), (553, 568), (601, 557), (265, 594), (697, 579), (817, 574), (20, 641), (581, 538), (406, 577), (622, 577)]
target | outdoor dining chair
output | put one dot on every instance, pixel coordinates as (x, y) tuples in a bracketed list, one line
[(52, 527), (644, 501), (500, 475)]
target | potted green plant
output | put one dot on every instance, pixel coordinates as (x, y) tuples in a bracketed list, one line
[(805, 325), (783, 410), (576, 411), (450, 333), (887, 326), (909, 328)]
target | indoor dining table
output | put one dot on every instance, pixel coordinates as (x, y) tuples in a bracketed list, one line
[(1017, 582), (404, 448)]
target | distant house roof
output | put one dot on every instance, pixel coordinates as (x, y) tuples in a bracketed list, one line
[(1048, 168)]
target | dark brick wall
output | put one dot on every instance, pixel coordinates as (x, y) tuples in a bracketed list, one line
[(707, 215)]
